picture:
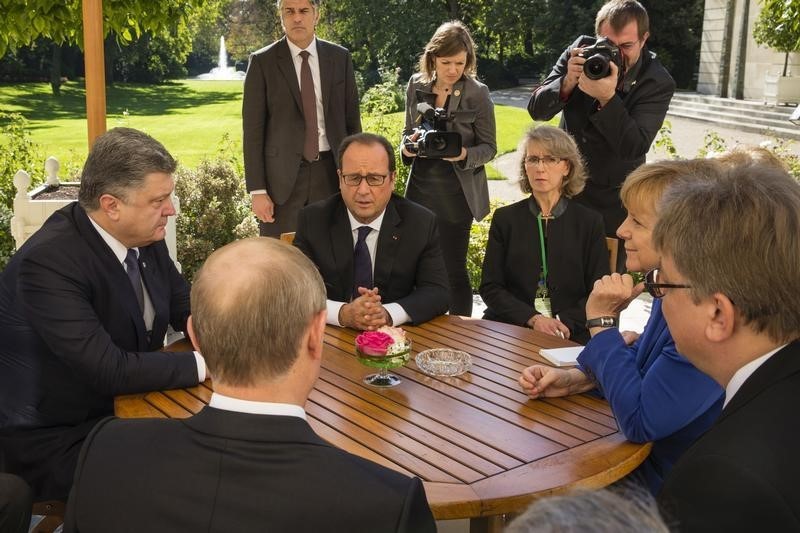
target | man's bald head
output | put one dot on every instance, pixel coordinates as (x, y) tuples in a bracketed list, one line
[(252, 302)]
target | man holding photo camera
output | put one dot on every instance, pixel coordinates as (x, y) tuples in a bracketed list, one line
[(613, 118)]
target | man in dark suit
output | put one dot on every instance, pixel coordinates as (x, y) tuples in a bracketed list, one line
[(378, 253), (84, 307), (613, 119), (730, 271), (248, 461), (292, 129)]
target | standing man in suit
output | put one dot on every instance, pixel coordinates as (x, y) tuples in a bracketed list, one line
[(378, 253), (248, 461), (300, 101), (84, 307), (613, 119), (730, 271)]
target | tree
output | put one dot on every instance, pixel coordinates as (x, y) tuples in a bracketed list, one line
[(778, 26), (61, 21)]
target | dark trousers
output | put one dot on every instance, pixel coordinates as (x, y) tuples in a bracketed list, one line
[(16, 501), (454, 240), (316, 180)]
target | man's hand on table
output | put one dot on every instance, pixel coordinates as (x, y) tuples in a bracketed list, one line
[(365, 312)]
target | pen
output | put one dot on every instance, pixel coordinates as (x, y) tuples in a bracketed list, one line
[(558, 331)]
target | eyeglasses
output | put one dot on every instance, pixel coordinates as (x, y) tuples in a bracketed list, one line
[(548, 160), (652, 286), (373, 180)]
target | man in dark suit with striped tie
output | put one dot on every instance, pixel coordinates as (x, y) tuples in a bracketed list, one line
[(84, 307), (377, 252), (300, 101)]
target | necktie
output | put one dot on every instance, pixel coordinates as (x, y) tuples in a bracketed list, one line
[(135, 276), (362, 263), (311, 143)]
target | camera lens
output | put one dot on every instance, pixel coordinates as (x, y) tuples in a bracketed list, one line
[(439, 143), (596, 67)]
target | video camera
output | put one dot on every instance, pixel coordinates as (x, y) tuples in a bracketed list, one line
[(433, 141), (599, 57)]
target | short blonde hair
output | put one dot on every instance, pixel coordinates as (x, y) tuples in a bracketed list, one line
[(644, 187), (560, 144), (252, 302), (449, 39)]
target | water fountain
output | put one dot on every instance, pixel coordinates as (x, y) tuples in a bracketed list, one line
[(222, 71)]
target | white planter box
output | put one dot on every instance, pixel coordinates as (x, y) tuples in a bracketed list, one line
[(30, 214), (781, 89)]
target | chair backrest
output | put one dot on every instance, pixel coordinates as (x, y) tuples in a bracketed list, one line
[(613, 247), (289, 237)]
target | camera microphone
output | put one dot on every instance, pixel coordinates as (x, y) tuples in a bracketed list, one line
[(427, 111)]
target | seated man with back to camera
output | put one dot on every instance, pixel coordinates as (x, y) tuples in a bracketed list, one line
[(248, 461), (377, 252), (84, 307)]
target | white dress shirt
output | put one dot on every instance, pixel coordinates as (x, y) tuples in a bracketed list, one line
[(121, 252), (745, 372), (395, 310), (227, 403)]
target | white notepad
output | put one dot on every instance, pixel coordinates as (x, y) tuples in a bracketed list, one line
[(562, 356)]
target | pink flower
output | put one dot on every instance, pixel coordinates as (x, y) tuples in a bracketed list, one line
[(374, 342)]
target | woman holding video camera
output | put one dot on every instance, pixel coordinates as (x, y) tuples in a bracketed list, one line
[(452, 185)]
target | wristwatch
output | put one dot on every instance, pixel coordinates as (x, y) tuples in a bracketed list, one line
[(602, 322)]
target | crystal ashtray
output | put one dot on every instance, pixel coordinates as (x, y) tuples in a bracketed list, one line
[(443, 362)]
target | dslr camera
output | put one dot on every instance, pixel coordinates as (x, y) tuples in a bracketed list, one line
[(433, 141), (599, 57)]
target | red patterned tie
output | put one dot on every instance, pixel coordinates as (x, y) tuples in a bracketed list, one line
[(311, 144)]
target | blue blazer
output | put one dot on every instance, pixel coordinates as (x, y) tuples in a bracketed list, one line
[(656, 394)]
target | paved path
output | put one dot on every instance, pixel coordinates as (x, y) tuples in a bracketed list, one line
[(687, 135)]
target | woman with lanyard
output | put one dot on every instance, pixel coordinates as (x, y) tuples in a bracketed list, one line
[(545, 252)]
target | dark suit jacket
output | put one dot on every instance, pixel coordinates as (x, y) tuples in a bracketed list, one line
[(73, 337), (613, 140), (576, 256), (227, 471), (477, 130), (742, 475), (272, 114), (408, 264)]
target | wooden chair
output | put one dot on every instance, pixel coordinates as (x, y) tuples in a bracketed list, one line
[(613, 248), (288, 237)]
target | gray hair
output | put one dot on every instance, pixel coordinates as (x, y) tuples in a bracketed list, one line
[(739, 235), (119, 162), (560, 144), (627, 510), (252, 302)]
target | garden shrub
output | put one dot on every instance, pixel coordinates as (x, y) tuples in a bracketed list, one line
[(17, 152), (214, 211), (478, 237)]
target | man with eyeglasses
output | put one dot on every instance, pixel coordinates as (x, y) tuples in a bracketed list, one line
[(377, 252), (728, 281), (613, 119)]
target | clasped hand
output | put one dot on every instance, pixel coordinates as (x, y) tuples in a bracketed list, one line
[(365, 312), (541, 381), (611, 294)]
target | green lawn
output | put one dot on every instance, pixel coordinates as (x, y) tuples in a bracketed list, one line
[(190, 117)]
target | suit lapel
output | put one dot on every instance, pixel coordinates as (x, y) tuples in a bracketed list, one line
[(782, 364), (286, 66), (325, 73), (455, 99), (114, 270), (386, 250), (342, 249)]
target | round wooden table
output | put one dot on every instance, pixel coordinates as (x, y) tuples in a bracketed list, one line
[(481, 446)]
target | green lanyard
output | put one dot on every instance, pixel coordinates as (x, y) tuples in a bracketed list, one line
[(543, 275)]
